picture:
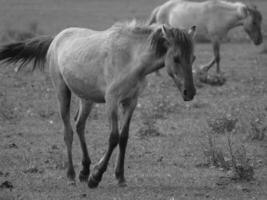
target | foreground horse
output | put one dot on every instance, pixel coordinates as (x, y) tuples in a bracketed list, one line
[(107, 67), (213, 19)]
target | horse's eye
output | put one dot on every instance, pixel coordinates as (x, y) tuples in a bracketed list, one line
[(176, 59)]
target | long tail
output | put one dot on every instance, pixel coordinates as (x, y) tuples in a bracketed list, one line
[(34, 49), (153, 17)]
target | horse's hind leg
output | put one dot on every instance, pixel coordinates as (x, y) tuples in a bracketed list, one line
[(82, 115), (64, 99), (128, 107), (217, 57)]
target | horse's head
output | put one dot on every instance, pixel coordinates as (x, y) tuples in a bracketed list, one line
[(178, 49), (252, 24)]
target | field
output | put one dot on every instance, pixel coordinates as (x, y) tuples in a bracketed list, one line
[(172, 149)]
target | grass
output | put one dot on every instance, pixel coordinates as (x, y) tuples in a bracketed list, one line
[(158, 166)]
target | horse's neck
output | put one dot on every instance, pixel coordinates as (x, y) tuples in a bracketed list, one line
[(149, 65), (233, 14), (153, 67)]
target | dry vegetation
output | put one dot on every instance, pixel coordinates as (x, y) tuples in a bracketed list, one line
[(211, 148)]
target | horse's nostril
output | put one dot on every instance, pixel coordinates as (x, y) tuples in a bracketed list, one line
[(185, 92)]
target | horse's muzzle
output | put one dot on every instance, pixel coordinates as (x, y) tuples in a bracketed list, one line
[(258, 41), (188, 95)]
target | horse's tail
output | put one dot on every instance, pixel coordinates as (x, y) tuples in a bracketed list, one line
[(34, 49), (153, 17)]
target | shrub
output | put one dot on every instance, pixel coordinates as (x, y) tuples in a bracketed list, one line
[(243, 169), (213, 154), (222, 124)]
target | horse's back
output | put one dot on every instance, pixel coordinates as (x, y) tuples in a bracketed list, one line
[(75, 54), (208, 16), (69, 35), (185, 14), (182, 14)]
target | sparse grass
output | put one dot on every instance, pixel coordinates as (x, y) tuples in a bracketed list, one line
[(7, 110), (157, 109), (148, 128), (148, 175)]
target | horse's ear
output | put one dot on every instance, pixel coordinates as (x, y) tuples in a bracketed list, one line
[(252, 6), (167, 32), (244, 11), (192, 32)]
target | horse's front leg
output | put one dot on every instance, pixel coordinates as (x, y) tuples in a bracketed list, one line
[(128, 107), (101, 166)]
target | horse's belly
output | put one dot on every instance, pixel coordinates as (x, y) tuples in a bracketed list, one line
[(85, 86)]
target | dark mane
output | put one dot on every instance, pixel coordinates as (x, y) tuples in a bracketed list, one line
[(155, 36), (180, 38), (157, 43), (183, 39)]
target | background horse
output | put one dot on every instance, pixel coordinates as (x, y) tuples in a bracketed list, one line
[(213, 19), (107, 67)]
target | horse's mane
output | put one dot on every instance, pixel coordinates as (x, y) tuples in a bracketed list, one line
[(133, 27), (155, 35), (180, 37), (252, 7)]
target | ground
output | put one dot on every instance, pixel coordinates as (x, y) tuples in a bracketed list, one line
[(167, 151)]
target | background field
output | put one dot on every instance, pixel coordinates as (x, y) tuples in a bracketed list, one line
[(167, 155)]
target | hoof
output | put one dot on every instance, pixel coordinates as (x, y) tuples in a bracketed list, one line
[(83, 177), (92, 183), (71, 175)]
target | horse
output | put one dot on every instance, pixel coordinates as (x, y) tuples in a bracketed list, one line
[(213, 19), (110, 67)]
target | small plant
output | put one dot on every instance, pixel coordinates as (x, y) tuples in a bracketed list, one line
[(222, 124), (214, 155), (243, 170), (239, 162)]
